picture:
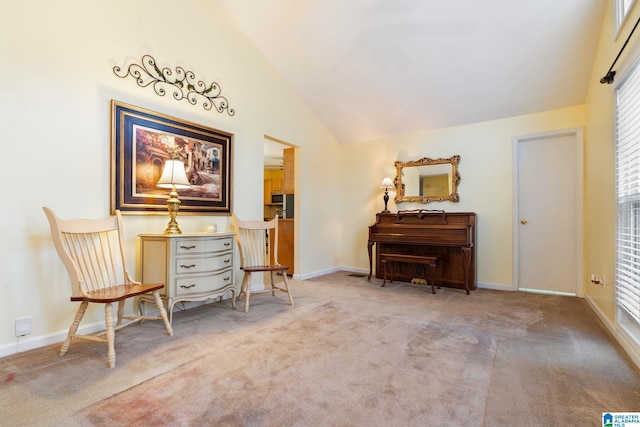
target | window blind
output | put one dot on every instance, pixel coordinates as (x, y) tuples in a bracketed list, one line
[(628, 194)]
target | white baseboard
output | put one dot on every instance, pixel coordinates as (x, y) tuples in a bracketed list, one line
[(317, 273), (29, 343), (632, 349), (484, 285), (495, 286)]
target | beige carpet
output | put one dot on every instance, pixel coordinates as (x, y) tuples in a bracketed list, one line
[(349, 353)]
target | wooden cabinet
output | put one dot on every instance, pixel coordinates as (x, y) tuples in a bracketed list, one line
[(268, 188), (193, 267), (288, 172), (285, 243), (271, 185), (276, 184)]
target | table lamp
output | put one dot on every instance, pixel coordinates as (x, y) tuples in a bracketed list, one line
[(387, 184), (173, 177)]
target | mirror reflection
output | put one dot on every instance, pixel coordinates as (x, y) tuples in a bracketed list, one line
[(427, 180)]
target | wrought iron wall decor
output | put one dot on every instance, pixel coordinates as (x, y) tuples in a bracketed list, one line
[(183, 84)]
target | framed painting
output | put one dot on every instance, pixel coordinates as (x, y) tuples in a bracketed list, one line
[(141, 141)]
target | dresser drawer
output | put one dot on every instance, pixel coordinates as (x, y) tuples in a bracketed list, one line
[(200, 264), (198, 246), (197, 284)]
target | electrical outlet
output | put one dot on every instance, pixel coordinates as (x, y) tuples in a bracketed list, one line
[(23, 326)]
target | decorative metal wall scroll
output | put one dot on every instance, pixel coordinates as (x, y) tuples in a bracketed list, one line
[(182, 83)]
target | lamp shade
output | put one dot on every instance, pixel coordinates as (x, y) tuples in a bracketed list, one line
[(173, 173), (387, 183)]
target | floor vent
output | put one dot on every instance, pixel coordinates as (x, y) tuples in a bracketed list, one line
[(356, 275)]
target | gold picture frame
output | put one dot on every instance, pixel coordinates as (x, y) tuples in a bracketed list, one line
[(415, 176)]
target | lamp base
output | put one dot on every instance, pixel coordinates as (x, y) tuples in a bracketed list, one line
[(386, 200), (173, 205), (172, 228)]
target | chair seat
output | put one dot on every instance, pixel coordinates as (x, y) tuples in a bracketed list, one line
[(254, 268), (119, 293)]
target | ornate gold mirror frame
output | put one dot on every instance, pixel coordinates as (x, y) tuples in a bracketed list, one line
[(427, 180)]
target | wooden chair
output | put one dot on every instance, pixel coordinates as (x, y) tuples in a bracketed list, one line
[(92, 253), (253, 244)]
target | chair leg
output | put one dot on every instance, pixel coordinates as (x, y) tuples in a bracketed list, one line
[(286, 287), (273, 283), (121, 312), (110, 334), (163, 312), (233, 298), (246, 288), (140, 304), (74, 327)]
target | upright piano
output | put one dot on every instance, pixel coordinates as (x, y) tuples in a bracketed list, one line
[(450, 236)]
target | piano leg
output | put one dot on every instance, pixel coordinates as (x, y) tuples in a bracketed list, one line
[(384, 272), (467, 268), (369, 247), (433, 270)]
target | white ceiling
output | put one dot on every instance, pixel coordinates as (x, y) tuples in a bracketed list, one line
[(376, 68)]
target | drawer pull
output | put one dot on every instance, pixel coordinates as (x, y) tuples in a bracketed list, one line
[(188, 247), (227, 244), (188, 286), (226, 279), (227, 261), (187, 266)]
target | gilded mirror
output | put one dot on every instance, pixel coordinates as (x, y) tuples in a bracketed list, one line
[(427, 180)]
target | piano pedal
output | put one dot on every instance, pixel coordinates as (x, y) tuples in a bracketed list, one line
[(418, 281)]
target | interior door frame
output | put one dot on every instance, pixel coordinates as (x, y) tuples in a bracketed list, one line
[(578, 134), (296, 185)]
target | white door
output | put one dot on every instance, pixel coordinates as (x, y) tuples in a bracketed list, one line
[(548, 212)]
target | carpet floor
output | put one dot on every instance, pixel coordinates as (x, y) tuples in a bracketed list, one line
[(350, 353)]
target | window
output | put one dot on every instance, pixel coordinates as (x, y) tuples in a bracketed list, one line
[(628, 198), (622, 8)]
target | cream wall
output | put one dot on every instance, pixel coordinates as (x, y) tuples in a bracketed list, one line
[(485, 187), (57, 80), (56, 84), (600, 209)]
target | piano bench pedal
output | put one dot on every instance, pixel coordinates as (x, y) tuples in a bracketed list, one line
[(428, 261)]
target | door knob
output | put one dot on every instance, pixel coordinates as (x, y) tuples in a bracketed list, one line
[(523, 221)]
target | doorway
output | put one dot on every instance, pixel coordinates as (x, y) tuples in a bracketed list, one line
[(548, 212), (280, 197)]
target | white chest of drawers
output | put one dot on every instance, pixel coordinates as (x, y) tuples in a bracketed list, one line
[(193, 267)]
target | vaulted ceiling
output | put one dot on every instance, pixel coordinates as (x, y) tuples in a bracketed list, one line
[(376, 68)]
